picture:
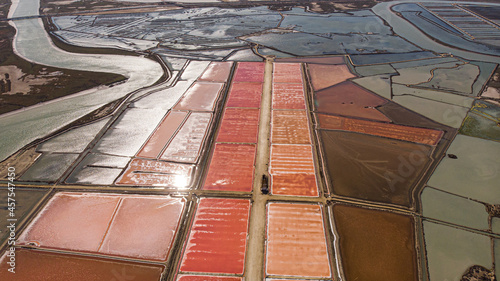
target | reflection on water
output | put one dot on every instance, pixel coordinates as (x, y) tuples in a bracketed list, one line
[(33, 44), (181, 181)]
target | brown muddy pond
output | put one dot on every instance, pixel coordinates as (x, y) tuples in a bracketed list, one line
[(323, 76), (373, 168), (38, 265), (375, 245), (348, 99)]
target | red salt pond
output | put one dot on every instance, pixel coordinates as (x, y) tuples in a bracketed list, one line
[(290, 127), (239, 125), (201, 96), (245, 94), (40, 265), (162, 134), (288, 96), (287, 73), (406, 133), (292, 170), (249, 72), (157, 173), (231, 167), (187, 143), (206, 278), (267, 279), (349, 99), (217, 241), (323, 76), (141, 227), (296, 241), (217, 72)]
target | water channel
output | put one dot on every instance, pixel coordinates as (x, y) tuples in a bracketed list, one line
[(32, 43)]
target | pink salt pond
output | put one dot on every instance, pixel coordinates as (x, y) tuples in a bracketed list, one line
[(218, 236), (249, 72), (187, 144), (217, 72), (296, 241), (288, 96), (201, 96), (287, 73), (290, 127), (162, 135), (157, 173), (292, 170), (140, 227)]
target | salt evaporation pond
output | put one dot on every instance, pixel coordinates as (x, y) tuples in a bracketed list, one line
[(32, 43)]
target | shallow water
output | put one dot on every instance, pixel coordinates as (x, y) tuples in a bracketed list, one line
[(389, 58), (323, 76), (482, 121), (450, 208), (31, 42), (26, 199), (245, 94), (187, 144), (129, 132), (375, 70), (348, 99), (477, 164), (78, 137), (451, 251), (49, 167)]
